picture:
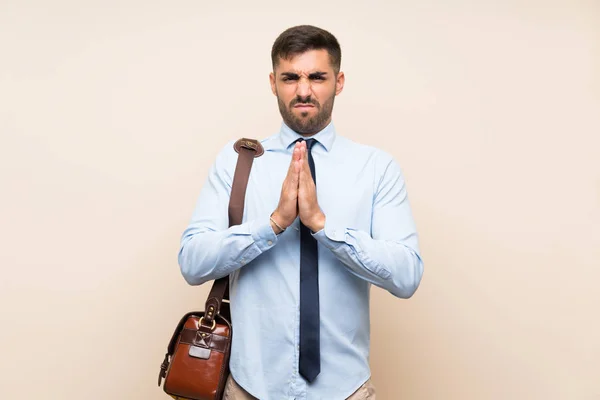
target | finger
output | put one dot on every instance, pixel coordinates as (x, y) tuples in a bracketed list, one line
[(295, 155), (299, 147), (305, 164), (297, 151), (294, 173), (305, 152), (302, 160), (298, 168)]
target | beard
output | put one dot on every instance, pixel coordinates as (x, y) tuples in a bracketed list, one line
[(303, 124)]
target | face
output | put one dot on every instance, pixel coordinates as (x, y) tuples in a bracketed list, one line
[(306, 86)]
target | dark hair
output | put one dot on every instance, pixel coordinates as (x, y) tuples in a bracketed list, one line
[(299, 39)]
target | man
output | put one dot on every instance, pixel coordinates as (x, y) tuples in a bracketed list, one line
[(303, 261)]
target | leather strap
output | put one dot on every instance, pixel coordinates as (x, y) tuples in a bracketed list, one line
[(247, 150)]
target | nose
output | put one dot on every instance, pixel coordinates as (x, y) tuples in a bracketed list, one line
[(303, 89)]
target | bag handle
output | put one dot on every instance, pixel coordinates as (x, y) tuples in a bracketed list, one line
[(247, 150)]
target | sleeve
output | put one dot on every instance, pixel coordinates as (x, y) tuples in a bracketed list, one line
[(210, 249), (389, 257)]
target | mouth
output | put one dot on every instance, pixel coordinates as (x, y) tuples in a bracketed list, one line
[(304, 106)]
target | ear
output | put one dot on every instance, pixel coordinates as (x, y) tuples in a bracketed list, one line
[(272, 80), (340, 80)]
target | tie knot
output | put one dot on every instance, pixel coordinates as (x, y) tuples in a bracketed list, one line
[(309, 142)]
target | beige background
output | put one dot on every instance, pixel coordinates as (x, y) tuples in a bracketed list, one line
[(111, 113)]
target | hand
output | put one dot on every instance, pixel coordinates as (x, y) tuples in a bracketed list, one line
[(308, 206), (287, 209)]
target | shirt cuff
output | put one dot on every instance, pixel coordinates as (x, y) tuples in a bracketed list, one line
[(263, 234), (331, 236)]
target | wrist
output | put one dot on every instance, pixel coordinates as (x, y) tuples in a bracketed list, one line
[(276, 225), (318, 223)]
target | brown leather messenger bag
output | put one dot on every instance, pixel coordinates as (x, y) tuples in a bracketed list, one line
[(196, 366)]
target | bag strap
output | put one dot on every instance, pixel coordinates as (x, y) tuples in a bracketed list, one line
[(247, 150)]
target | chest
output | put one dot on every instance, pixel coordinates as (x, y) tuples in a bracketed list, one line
[(345, 188)]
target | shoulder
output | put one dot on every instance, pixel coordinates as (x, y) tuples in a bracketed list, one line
[(269, 142), (226, 156), (379, 158)]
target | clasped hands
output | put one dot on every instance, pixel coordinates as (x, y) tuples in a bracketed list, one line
[(298, 195)]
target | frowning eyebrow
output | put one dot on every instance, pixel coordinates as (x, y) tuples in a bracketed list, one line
[(314, 75)]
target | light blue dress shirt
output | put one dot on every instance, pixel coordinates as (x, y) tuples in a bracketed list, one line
[(369, 239)]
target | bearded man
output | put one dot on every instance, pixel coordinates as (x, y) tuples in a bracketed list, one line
[(325, 218)]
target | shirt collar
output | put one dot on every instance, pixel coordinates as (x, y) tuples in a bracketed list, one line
[(326, 136)]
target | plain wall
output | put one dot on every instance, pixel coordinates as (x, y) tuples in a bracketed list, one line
[(112, 112)]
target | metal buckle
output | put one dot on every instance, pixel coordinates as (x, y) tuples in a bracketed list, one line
[(249, 145), (212, 328)]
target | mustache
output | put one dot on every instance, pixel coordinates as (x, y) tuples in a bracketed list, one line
[(307, 100)]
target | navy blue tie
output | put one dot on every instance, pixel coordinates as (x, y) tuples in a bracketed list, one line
[(310, 359)]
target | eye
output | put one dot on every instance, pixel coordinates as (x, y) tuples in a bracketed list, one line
[(318, 77)]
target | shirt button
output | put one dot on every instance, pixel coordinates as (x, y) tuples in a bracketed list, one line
[(269, 242)]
